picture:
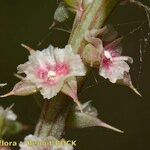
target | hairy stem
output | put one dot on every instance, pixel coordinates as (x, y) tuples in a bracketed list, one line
[(55, 111)]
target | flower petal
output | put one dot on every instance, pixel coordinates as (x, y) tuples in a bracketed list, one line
[(49, 92), (115, 71)]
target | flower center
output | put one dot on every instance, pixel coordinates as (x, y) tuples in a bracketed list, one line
[(51, 74), (107, 60)]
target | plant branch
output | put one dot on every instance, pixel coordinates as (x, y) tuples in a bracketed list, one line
[(55, 111)]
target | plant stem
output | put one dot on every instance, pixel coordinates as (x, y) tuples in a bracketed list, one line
[(55, 111), (94, 17)]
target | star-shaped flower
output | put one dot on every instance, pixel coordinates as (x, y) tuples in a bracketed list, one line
[(50, 71), (113, 64)]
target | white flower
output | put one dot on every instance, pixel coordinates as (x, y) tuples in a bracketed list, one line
[(50, 68), (32, 142), (7, 114), (114, 66)]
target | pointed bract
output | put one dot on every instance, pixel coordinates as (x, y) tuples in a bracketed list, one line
[(87, 118), (22, 88), (31, 50), (70, 89), (128, 82)]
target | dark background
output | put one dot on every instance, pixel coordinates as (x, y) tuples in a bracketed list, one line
[(27, 21)]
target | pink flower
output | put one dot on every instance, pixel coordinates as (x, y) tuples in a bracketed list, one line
[(50, 68), (114, 65)]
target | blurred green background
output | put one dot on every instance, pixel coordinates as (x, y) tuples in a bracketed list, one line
[(27, 21)]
